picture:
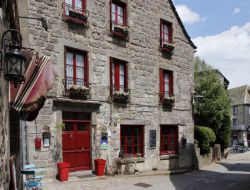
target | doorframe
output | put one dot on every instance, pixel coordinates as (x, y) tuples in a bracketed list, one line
[(90, 133)]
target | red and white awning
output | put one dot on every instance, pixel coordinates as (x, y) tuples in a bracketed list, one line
[(29, 97)]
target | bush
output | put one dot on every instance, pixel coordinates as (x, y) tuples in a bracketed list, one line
[(206, 138)]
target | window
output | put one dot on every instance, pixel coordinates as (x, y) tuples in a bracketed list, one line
[(235, 122), (166, 35), (75, 10), (118, 76), (119, 19), (76, 68), (249, 110), (169, 139), (166, 83), (132, 140), (235, 110)]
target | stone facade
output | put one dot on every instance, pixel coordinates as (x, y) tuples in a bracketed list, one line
[(144, 59), (4, 123)]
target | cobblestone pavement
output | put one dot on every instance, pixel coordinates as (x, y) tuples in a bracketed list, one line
[(230, 174)]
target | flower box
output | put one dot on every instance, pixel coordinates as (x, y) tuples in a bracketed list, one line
[(168, 101), (120, 31), (77, 15), (79, 92), (169, 47), (120, 97)]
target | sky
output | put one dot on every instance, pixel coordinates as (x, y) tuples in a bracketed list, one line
[(221, 31)]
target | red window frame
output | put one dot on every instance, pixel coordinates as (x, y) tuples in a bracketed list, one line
[(115, 74), (169, 140), (163, 31), (85, 66), (170, 82), (124, 7), (132, 142), (75, 9)]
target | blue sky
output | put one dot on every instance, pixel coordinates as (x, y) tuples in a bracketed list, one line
[(221, 31)]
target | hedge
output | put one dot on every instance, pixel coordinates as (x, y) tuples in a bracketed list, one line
[(206, 138)]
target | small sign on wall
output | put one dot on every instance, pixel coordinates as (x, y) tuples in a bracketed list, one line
[(152, 138), (104, 141)]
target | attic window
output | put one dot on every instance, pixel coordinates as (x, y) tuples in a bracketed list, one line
[(166, 36)]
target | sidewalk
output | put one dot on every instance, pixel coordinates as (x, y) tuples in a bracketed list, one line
[(104, 182)]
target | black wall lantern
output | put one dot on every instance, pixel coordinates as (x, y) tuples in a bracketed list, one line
[(46, 139), (13, 62)]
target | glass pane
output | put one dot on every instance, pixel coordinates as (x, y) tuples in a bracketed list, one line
[(136, 149), (120, 20), (129, 140), (129, 150), (69, 82), (69, 70), (80, 73), (81, 127), (79, 60), (136, 140), (113, 76), (165, 147), (122, 140), (68, 127), (122, 77), (69, 2), (78, 4), (113, 8), (113, 17), (69, 58), (129, 131)]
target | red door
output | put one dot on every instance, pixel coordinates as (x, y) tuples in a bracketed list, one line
[(76, 145)]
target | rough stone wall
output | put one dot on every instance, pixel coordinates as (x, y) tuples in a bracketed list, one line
[(4, 130), (144, 60)]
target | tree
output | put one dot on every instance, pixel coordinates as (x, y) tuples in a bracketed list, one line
[(214, 108)]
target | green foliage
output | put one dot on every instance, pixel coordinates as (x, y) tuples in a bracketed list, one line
[(206, 138), (214, 108)]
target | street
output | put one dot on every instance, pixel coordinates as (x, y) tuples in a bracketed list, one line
[(229, 174)]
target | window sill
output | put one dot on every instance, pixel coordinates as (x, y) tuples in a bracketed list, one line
[(168, 157), (166, 50), (130, 160), (119, 35)]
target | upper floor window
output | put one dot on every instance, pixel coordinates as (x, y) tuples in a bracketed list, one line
[(166, 35), (235, 110), (119, 19), (75, 10), (76, 68), (249, 110), (166, 83), (119, 78)]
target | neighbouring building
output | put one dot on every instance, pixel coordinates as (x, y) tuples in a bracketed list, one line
[(240, 104), (123, 88)]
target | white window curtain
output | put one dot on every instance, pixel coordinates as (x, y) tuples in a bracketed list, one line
[(68, 4), (120, 15), (69, 70), (122, 78), (80, 69), (113, 76), (166, 84), (165, 29), (78, 4)]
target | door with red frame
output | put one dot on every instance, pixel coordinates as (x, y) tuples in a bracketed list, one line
[(76, 145)]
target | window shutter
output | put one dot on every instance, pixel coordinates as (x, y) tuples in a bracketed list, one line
[(171, 84), (161, 32), (126, 76), (170, 33), (161, 84), (110, 76), (117, 76)]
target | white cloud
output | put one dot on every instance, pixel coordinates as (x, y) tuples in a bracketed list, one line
[(236, 10), (228, 52), (187, 15)]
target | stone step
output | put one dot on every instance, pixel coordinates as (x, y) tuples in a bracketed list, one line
[(80, 173)]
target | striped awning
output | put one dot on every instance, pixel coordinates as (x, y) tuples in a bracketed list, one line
[(28, 98)]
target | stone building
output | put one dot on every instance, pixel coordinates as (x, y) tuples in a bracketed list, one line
[(240, 104), (123, 88)]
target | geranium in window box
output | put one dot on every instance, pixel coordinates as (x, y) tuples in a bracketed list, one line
[(79, 92), (120, 96), (121, 31), (168, 47), (168, 101), (77, 15)]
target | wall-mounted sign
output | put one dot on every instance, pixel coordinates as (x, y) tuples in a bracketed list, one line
[(152, 138), (104, 141)]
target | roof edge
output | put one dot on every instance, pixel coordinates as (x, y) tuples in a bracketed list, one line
[(181, 24)]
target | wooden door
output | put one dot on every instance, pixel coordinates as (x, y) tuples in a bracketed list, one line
[(76, 145)]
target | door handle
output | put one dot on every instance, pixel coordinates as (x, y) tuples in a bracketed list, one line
[(71, 136), (82, 148)]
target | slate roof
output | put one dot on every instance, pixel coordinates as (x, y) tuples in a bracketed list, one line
[(239, 95), (181, 24)]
